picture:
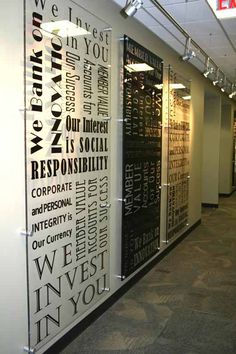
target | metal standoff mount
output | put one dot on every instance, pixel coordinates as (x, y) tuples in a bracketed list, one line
[(29, 350), (122, 120), (108, 29), (122, 277), (122, 200), (26, 233)]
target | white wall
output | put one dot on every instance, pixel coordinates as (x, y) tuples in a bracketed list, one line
[(226, 150), (196, 146), (13, 300), (211, 150)]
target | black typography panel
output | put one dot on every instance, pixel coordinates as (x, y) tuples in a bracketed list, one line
[(142, 134)]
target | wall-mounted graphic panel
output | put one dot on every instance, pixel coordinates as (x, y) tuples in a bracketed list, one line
[(178, 154), (67, 68), (142, 134)]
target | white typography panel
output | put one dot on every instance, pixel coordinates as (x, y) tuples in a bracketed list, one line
[(67, 86)]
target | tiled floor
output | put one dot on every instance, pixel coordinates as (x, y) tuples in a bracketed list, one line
[(185, 305)]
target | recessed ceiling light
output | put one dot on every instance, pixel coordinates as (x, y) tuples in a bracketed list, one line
[(63, 28), (186, 97), (177, 86), (159, 86), (138, 67)]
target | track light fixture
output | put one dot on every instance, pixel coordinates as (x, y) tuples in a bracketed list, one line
[(216, 77), (209, 70), (233, 93), (197, 51), (220, 82), (206, 73), (131, 7), (223, 84), (189, 53)]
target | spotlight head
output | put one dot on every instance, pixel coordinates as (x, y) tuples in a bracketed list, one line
[(208, 72), (232, 94), (131, 8), (190, 54), (215, 82)]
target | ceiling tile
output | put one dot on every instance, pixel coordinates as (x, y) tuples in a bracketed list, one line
[(202, 27), (155, 13), (162, 33), (229, 25), (175, 2), (189, 11), (213, 42), (223, 52)]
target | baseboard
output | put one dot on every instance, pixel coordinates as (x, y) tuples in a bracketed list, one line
[(79, 328), (209, 205), (227, 195)]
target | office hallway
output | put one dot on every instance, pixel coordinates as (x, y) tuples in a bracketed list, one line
[(185, 305)]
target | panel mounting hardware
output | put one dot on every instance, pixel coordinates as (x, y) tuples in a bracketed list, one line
[(26, 233), (29, 350)]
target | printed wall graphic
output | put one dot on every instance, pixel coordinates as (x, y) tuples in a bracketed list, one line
[(178, 154), (67, 164), (142, 134)]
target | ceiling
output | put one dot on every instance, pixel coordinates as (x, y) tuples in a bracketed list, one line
[(217, 38)]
